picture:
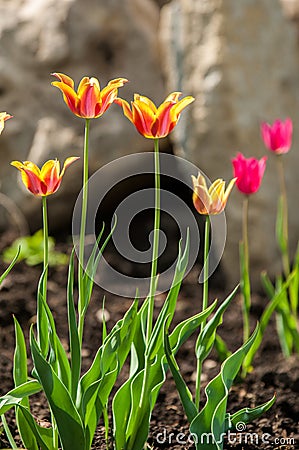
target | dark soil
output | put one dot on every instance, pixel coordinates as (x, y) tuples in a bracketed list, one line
[(277, 429)]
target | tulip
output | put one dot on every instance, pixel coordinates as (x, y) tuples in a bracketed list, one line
[(278, 137), (210, 200), (89, 102), (45, 181), (207, 201), (153, 122), (3, 117), (248, 172)]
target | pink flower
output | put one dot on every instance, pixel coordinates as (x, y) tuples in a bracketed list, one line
[(278, 137), (249, 173)]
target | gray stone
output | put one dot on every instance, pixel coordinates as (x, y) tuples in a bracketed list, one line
[(91, 38)]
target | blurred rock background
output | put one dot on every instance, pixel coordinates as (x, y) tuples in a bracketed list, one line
[(239, 59)]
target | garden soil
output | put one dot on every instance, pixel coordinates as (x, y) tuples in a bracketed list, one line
[(272, 374)]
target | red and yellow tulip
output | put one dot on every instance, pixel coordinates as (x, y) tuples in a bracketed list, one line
[(44, 181), (3, 117), (210, 200), (153, 122), (89, 102)]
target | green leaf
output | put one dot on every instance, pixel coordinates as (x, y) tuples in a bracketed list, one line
[(16, 395), (185, 328), (115, 348), (138, 395), (13, 262), (272, 305), (20, 376), (97, 383), (30, 249), (168, 308), (206, 337), (94, 401), (211, 420), (268, 286), (294, 286), (27, 435), (69, 424), (42, 321), (184, 393), (139, 342), (57, 359), (92, 265), (9, 436), (131, 419), (20, 356), (246, 415), (245, 280), (35, 436), (221, 348), (280, 225), (132, 409), (121, 406)]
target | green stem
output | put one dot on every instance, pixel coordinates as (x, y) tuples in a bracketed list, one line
[(284, 211), (46, 243), (8, 433), (245, 279), (106, 424), (46, 264), (153, 281), (42, 321), (81, 303), (205, 299), (205, 293)]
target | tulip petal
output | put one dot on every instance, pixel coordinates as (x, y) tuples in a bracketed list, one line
[(182, 104), (67, 163), (173, 97), (65, 79), (50, 175), (69, 95), (126, 108), (144, 102), (143, 118), (201, 198), (30, 174), (3, 117), (164, 119), (89, 97)]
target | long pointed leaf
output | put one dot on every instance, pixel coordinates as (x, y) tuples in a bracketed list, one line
[(206, 337), (16, 395), (184, 393), (246, 415), (168, 308), (69, 424), (212, 418), (13, 262)]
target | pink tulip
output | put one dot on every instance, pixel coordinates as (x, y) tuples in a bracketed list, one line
[(278, 137), (249, 173)]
